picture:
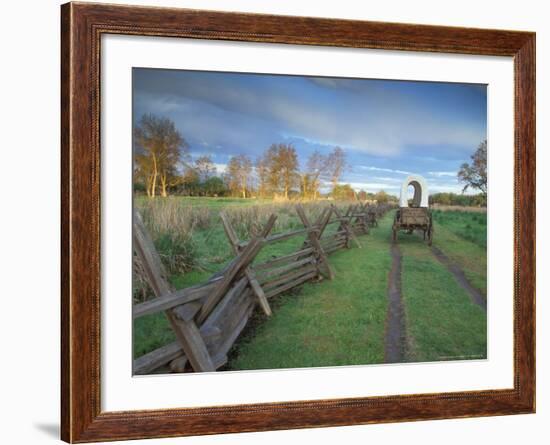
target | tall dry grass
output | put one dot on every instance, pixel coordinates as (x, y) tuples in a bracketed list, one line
[(174, 224), (249, 221), (447, 208), (178, 219)]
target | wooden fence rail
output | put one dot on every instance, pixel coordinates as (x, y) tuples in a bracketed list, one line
[(208, 318)]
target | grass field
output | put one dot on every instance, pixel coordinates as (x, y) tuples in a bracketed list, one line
[(463, 237), (193, 226), (442, 322), (470, 226), (336, 322)]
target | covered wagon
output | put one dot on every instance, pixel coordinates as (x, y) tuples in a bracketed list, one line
[(414, 215)]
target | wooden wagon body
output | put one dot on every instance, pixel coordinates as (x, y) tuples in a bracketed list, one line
[(411, 219), (417, 215)]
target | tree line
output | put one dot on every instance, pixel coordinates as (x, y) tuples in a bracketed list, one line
[(164, 165), (456, 199)]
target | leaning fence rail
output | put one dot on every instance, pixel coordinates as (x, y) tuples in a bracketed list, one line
[(208, 318)]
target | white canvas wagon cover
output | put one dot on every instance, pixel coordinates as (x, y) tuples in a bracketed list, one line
[(420, 198)]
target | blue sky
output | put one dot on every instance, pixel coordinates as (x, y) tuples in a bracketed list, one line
[(388, 129)]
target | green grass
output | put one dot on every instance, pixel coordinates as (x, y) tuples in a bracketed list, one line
[(153, 331), (213, 252), (342, 322), (214, 203), (470, 255), (442, 321), (470, 226), (338, 322)]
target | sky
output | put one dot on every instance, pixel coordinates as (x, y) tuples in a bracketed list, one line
[(388, 129)]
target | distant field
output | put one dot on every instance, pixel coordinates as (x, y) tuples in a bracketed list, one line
[(471, 226), (209, 202), (331, 322), (468, 209), (463, 237)]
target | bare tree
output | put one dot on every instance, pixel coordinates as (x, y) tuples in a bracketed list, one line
[(238, 174), (262, 173), (282, 162), (316, 166), (336, 165), (159, 149), (205, 167), (475, 174), (190, 179), (169, 177)]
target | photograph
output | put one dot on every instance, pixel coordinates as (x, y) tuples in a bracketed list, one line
[(292, 221)]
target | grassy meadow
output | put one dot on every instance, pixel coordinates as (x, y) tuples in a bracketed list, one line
[(463, 238), (326, 323), (189, 236)]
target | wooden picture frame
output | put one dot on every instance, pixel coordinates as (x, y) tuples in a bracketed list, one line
[(82, 26)]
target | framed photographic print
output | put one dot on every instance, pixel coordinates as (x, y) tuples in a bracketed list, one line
[(274, 222)]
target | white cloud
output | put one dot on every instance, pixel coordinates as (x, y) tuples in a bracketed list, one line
[(373, 186), (441, 174), (387, 170), (387, 179)]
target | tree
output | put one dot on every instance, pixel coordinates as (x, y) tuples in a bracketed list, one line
[(343, 192), (454, 199), (282, 165), (205, 168), (362, 195), (214, 186), (475, 174), (190, 180), (336, 165), (262, 173), (306, 185), (238, 174), (382, 197), (316, 166), (159, 149)]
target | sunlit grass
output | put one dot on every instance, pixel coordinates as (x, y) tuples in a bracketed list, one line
[(471, 256), (342, 322), (442, 321), (338, 322)]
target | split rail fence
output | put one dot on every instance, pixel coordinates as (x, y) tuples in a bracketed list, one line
[(208, 318)]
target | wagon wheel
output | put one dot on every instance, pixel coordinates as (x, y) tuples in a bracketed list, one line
[(430, 234)]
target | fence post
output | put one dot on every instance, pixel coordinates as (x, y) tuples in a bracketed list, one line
[(186, 332), (314, 240), (241, 261), (323, 221), (344, 223), (250, 275)]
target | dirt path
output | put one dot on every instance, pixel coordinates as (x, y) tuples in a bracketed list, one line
[(395, 327), (458, 273)]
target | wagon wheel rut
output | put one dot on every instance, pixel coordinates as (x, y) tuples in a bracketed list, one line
[(395, 323), (475, 295)]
